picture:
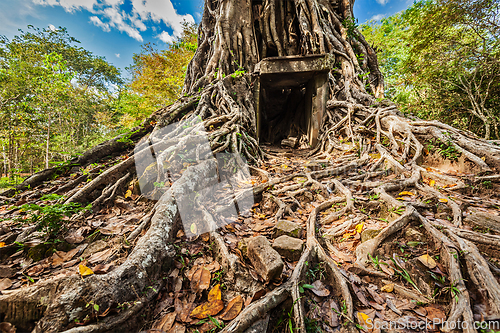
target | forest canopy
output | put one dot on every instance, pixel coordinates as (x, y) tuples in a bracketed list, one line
[(60, 99), (441, 60)]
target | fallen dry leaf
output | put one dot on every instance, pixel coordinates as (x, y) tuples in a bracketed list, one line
[(320, 289), (205, 237), (376, 306), (100, 256), (388, 288), (35, 270), (201, 280), (407, 193), (177, 284), (178, 328), (84, 270), (5, 284), (166, 322), (427, 261), (215, 294), (364, 320), (103, 268), (7, 328), (233, 309), (208, 309), (435, 313)]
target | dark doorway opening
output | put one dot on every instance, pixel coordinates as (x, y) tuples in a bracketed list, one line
[(283, 112), (291, 95)]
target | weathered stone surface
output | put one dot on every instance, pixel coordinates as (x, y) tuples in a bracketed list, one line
[(266, 261), (414, 235), (289, 247), (7, 272), (288, 228), (290, 142), (94, 247), (369, 234)]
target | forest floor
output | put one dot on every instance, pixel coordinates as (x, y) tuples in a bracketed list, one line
[(406, 281)]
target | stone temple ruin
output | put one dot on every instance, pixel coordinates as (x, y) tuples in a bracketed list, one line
[(291, 94)]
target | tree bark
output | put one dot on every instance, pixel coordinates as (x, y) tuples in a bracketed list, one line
[(356, 131)]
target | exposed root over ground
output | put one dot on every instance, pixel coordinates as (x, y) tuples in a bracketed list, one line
[(387, 237)]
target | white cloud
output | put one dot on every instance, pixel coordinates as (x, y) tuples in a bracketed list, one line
[(69, 5), (97, 22), (377, 17), (117, 19), (161, 10), (166, 37), (117, 55), (52, 27), (383, 2), (108, 14)]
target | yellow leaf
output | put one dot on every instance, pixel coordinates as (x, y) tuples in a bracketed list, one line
[(128, 194), (388, 288), (208, 309), (194, 229), (349, 234), (284, 166), (407, 193), (432, 182), (84, 270), (364, 319), (427, 261), (215, 294), (2, 244), (443, 200), (359, 227)]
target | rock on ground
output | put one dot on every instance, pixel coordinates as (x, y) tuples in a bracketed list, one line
[(266, 261), (289, 247)]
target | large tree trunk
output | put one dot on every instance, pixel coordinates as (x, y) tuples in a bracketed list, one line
[(236, 36)]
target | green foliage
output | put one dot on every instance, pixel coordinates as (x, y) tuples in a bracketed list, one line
[(446, 149), (238, 73), (351, 25), (49, 218), (55, 98), (441, 60), (315, 272), (157, 76), (51, 197), (404, 274)]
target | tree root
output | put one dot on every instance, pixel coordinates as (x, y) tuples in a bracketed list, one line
[(56, 304)]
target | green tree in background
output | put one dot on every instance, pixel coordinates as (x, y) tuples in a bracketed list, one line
[(441, 60), (55, 97), (158, 76)]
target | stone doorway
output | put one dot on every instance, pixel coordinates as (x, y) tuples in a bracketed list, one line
[(291, 95)]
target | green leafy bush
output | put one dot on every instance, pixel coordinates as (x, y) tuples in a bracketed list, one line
[(49, 218)]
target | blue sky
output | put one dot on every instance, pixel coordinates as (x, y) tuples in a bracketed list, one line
[(116, 29)]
